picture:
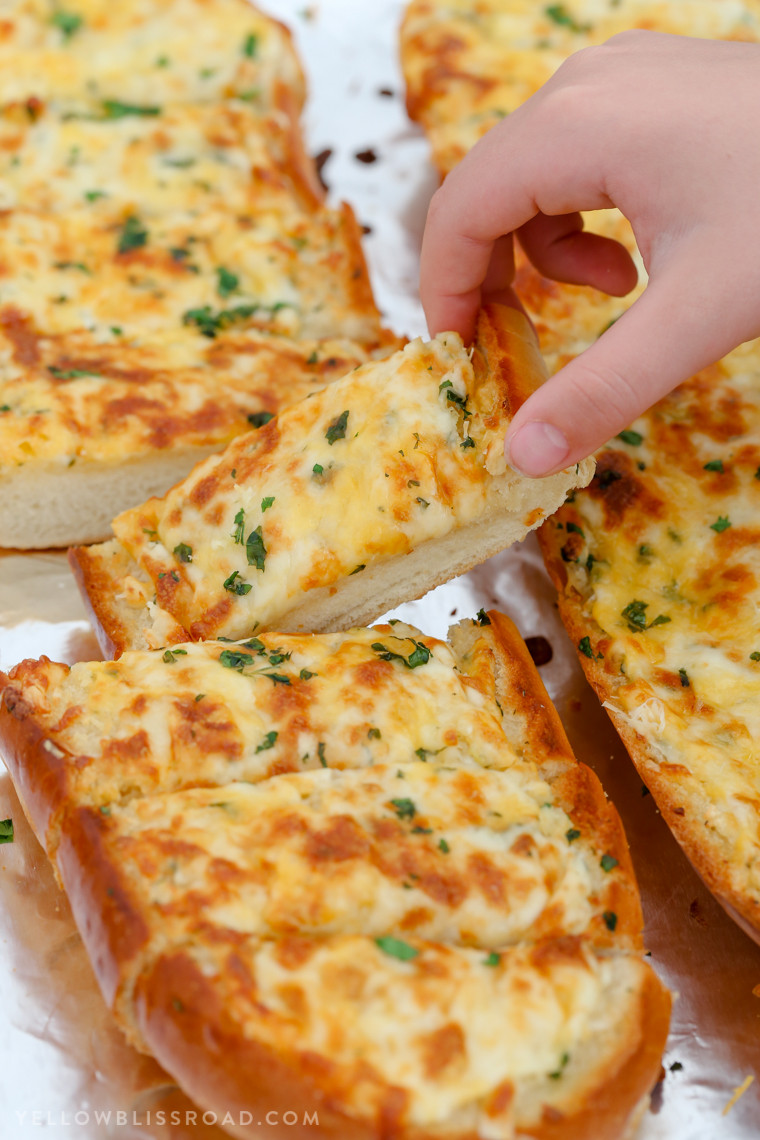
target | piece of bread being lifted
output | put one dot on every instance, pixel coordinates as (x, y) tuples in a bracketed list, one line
[(385, 484)]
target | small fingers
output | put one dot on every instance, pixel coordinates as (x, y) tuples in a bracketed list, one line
[(559, 248), (671, 332)]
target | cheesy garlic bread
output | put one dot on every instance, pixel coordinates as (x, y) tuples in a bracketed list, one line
[(360, 873), (656, 562), (158, 217), (374, 490)]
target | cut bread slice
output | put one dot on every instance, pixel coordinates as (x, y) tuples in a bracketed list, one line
[(286, 855), (89, 428), (383, 485)]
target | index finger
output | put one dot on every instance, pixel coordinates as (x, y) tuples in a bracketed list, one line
[(542, 159)]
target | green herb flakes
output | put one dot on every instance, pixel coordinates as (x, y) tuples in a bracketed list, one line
[(170, 655), (608, 862), (6, 831), (183, 552), (573, 528), (714, 465), (419, 656), (404, 809), (572, 834), (268, 742), (306, 674), (232, 659), (70, 373), (684, 678), (483, 618), (632, 438), (374, 734), (358, 569), (395, 948), (258, 419), (255, 550), (250, 45), (237, 585), (239, 532), (723, 523), (267, 503), (133, 235), (468, 442), (635, 614), (555, 1076), (492, 959), (584, 646), (318, 469), (226, 282), (337, 429), (113, 109), (68, 23), (754, 656), (443, 846), (610, 919)]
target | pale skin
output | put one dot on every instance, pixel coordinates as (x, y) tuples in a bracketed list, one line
[(665, 128)]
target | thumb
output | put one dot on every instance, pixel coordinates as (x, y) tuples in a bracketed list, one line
[(672, 331)]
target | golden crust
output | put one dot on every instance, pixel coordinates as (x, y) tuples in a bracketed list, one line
[(420, 462), (170, 959)]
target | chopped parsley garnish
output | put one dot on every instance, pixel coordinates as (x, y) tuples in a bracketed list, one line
[(460, 401), (250, 45), (337, 429), (423, 502), (684, 677), (237, 585), (278, 678), (404, 809), (572, 833), (93, 195), (312, 358), (255, 551), (80, 265), (634, 438), (227, 282), (573, 528), (443, 846), (610, 919), (318, 469), (492, 959), (68, 23), (183, 552), (422, 754), (171, 655), (412, 482), (266, 503), (239, 532), (468, 442), (754, 656), (113, 109), (6, 831), (584, 645), (676, 1067), (133, 235), (70, 373), (645, 552), (209, 323), (321, 753), (231, 659), (198, 697), (267, 742), (714, 465), (661, 619), (723, 523), (306, 674), (374, 734), (555, 1076), (757, 473), (420, 655), (483, 618), (395, 948), (635, 614), (560, 15), (608, 862), (358, 569), (258, 419)]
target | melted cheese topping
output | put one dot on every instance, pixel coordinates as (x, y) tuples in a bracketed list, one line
[(396, 454), (143, 53), (152, 276), (468, 63), (187, 158), (68, 400), (368, 841), (672, 530), (450, 1033)]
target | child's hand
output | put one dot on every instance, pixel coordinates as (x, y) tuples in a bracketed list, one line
[(666, 128)]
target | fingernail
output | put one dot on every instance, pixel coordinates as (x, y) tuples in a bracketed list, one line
[(537, 448)]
